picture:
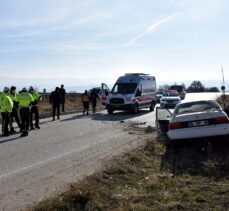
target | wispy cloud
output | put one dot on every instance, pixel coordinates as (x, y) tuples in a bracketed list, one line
[(150, 29)]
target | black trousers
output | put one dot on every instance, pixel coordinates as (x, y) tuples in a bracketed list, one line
[(94, 102), (25, 114), (56, 109), (5, 122), (34, 111), (63, 107), (14, 115), (85, 107)]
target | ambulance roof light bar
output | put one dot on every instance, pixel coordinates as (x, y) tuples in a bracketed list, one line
[(136, 74)]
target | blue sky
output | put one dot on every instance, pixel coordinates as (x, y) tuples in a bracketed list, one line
[(91, 41)]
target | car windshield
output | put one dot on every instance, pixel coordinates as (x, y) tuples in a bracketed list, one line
[(170, 94), (198, 106), (124, 88), (178, 88)]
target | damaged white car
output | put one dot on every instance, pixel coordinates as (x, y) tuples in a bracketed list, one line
[(190, 120)]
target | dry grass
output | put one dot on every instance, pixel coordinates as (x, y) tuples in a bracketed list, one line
[(154, 178), (223, 100)]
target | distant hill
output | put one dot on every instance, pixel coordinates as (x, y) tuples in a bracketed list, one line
[(79, 85)]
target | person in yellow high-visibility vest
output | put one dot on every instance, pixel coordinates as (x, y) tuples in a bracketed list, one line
[(25, 99), (34, 108), (85, 101), (6, 106), (14, 114)]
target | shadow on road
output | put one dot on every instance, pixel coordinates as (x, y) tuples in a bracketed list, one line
[(206, 158), (117, 116), (8, 139)]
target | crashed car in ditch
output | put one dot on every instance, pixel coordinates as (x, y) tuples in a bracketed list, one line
[(189, 120)]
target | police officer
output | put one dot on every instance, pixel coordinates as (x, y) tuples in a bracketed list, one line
[(34, 108), (6, 106), (85, 101), (25, 99), (14, 114)]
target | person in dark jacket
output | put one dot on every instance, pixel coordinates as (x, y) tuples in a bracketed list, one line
[(85, 101), (63, 93), (56, 100), (93, 98)]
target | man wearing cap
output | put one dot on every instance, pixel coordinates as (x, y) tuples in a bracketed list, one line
[(25, 99), (6, 106), (34, 108), (14, 114)]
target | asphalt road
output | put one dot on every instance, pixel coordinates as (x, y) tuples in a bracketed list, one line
[(63, 151)]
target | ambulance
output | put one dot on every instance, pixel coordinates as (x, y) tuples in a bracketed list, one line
[(132, 92)]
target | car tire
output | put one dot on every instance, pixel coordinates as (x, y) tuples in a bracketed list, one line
[(135, 109), (151, 108), (110, 111)]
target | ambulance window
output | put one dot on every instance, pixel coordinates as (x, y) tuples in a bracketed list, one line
[(124, 88)]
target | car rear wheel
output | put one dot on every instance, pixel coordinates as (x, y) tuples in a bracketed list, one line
[(151, 108), (110, 111)]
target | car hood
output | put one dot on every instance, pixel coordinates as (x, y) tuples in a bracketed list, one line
[(197, 116)]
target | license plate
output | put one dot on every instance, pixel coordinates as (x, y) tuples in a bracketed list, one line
[(198, 123)]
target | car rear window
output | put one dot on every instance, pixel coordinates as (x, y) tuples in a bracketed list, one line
[(198, 106)]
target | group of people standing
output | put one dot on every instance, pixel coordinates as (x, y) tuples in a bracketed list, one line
[(87, 98), (23, 106), (26, 102)]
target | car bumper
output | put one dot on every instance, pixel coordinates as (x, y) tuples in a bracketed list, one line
[(168, 105), (120, 107), (200, 132)]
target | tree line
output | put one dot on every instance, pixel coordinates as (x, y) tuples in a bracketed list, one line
[(195, 86)]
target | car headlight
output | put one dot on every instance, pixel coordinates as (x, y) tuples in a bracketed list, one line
[(128, 98)]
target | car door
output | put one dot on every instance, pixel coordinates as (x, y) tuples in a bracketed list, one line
[(105, 93), (163, 117)]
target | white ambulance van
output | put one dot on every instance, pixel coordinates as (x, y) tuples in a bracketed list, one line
[(132, 92)]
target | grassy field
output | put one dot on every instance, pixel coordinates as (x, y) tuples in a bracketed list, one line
[(194, 176), (223, 100), (73, 103)]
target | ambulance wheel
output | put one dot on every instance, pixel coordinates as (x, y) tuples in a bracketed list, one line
[(135, 109), (151, 108), (110, 111)]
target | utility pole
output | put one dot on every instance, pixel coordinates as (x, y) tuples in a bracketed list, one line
[(223, 89)]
